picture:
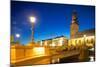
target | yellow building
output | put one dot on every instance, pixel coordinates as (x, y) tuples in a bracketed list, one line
[(54, 42), (89, 41), (78, 38)]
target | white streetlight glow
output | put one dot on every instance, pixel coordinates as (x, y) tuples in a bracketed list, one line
[(91, 58), (32, 19), (17, 35)]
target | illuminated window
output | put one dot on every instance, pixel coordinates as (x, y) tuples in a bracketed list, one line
[(75, 41), (92, 40), (79, 42), (45, 43), (61, 42), (53, 44), (41, 43)]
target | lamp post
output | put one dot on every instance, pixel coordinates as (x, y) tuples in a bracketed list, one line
[(32, 20)]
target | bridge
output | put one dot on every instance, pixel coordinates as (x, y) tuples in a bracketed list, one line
[(47, 59)]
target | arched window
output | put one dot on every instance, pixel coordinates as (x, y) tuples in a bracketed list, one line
[(79, 42), (92, 40), (75, 42), (70, 41), (87, 41)]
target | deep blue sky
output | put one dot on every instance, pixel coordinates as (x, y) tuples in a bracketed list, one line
[(52, 19)]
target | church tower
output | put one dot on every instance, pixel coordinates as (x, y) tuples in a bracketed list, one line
[(74, 27)]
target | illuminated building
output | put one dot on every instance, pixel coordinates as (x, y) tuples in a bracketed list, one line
[(78, 38), (54, 42)]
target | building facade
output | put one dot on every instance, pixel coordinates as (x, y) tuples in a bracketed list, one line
[(79, 38), (54, 42)]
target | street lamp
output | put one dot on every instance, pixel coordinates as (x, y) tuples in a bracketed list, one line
[(17, 36), (32, 20)]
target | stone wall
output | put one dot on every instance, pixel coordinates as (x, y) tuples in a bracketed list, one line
[(25, 52), (17, 52)]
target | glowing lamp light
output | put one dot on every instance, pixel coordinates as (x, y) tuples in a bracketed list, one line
[(91, 58), (17, 35), (39, 51), (92, 49), (84, 35), (32, 19)]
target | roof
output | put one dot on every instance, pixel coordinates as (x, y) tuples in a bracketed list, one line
[(89, 32), (54, 38)]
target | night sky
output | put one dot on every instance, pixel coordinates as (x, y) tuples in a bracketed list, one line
[(52, 20)]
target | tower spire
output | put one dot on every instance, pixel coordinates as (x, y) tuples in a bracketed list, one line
[(74, 25), (74, 17)]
